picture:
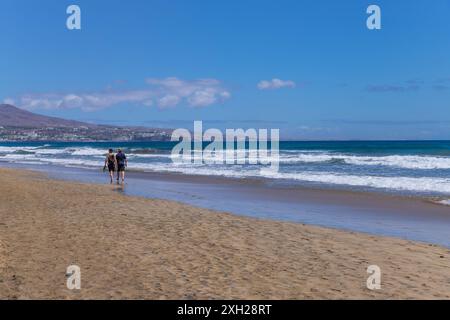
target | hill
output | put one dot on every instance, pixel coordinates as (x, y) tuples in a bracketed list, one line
[(21, 125), (11, 116)]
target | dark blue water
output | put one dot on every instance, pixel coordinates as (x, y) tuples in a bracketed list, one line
[(437, 148)]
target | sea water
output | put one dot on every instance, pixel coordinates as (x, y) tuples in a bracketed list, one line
[(407, 167)]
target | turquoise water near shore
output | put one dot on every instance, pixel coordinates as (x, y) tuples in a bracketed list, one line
[(406, 167)]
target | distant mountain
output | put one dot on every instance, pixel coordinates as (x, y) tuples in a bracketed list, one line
[(11, 116), (20, 125)]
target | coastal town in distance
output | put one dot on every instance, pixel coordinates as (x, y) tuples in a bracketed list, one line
[(21, 125)]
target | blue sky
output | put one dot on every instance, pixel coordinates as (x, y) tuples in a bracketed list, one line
[(169, 62)]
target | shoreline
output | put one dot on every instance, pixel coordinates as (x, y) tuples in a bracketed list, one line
[(405, 217), (271, 183), (137, 248), (409, 168), (286, 184)]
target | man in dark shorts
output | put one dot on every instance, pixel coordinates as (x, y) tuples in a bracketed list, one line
[(122, 163), (110, 163)]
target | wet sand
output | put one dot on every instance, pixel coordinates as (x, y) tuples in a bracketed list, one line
[(132, 247)]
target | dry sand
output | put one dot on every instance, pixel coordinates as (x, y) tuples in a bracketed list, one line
[(130, 247)]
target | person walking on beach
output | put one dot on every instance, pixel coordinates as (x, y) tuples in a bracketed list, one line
[(110, 163), (122, 163)]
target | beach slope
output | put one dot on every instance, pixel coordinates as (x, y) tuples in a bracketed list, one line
[(130, 247)]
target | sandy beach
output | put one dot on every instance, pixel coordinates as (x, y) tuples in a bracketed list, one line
[(138, 248)]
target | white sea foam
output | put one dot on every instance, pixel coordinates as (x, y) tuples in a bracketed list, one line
[(417, 184), (444, 202), (41, 150), (50, 151), (37, 150), (16, 149), (150, 156), (422, 184), (286, 157), (18, 156), (93, 158), (87, 151), (408, 162), (400, 161)]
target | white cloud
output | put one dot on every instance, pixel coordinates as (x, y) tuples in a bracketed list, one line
[(168, 101), (275, 84), (197, 93), (9, 101), (165, 93)]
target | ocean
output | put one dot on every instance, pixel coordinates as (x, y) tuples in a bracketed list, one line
[(406, 167)]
